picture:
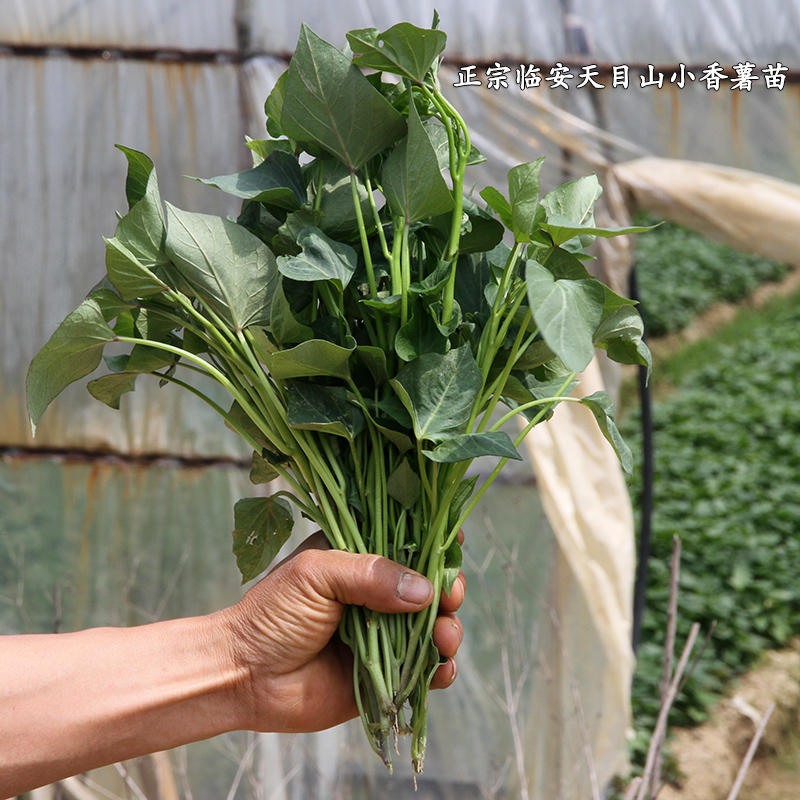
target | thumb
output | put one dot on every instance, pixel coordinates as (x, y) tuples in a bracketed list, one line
[(369, 580)]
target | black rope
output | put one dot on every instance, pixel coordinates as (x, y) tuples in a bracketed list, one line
[(646, 500)]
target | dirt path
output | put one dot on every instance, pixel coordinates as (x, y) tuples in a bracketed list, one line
[(710, 755)]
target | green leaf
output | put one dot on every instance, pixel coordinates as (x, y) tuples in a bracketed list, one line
[(336, 214), (523, 194), (273, 106), (72, 352), (322, 258), (329, 102), (228, 267), (620, 335), (313, 358), (140, 167), (498, 204), (277, 181), (453, 562), (567, 313), (110, 388), (262, 149), (239, 421), (128, 274), (402, 49), (262, 470), (462, 495), (473, 445), (601, 405), (574, 200), (399, 439), (136, 252), (404, 485), (283, 324), (374, 359), (262, 525), (439, 391), (411, 180), (419, 335), (561, 230), (323, 408)]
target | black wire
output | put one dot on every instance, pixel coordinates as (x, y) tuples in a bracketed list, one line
[(646, 499)]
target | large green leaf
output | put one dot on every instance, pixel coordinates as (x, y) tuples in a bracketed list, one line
[(313, 358), (73, 351), (322, 258), (467, 446), (439, 391), (227, 267), (411, 180), (262, 526), (323, 408), (601, 405), (277, 180), (329, 102), (402, 49), (567, 313)]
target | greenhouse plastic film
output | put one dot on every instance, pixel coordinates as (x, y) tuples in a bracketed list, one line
[(744, 210), (147, 24), (62, 181)]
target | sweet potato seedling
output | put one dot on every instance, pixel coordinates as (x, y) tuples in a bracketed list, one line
[(367, 318)]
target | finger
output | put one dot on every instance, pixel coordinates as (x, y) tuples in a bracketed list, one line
[(452, 602), (447, 634), (445, 675), (316, 541), (364, 580)]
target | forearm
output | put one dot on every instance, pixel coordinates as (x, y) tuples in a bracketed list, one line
[(73, 702)]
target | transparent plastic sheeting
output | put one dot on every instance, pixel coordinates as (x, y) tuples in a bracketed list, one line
[(660, 31), (61, 182), (125, 545), (147, 24)]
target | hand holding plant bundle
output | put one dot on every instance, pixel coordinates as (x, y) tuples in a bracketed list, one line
[(367, 319)]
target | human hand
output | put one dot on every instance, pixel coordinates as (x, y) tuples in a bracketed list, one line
[(298, 675)]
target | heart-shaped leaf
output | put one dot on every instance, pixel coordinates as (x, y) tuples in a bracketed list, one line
[(403, 49), (412, 183), (262, 525), (322, 259), (439, 391), (567, 313), (228, 267), (329, 102), (73, 351)]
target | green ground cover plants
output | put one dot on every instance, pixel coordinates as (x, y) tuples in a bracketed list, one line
[(681, 274), (727, 482)]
